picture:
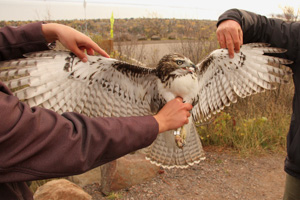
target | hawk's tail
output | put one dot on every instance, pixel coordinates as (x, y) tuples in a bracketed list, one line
[(164, 152)]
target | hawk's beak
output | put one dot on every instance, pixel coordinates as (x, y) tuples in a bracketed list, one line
[(192, 68)]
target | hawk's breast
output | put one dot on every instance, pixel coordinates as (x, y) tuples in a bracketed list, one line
[(185, 87)]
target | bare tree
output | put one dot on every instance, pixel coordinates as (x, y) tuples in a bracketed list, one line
[(155, 24), (289, 14), (46, 17)]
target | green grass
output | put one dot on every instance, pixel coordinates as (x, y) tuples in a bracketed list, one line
[(247, 136), (114, 195), (254, 125)]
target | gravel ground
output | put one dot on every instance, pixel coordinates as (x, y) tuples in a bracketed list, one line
[(223, 175)]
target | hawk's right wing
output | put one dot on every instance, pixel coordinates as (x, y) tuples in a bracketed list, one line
[(222, 79)]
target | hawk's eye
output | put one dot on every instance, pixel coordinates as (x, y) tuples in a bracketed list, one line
[(179, 62)]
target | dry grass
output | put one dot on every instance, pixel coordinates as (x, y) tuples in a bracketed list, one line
[(257, 124)]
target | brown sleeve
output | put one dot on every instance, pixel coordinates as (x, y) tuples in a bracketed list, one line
[(16, 41), (36, 143)]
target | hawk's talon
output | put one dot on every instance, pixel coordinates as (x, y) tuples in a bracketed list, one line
[(180, 136), (177, 132)]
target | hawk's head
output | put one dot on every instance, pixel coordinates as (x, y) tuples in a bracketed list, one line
[(174, 65)]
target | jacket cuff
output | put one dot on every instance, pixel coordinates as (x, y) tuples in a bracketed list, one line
[(232, 14), (33, 33)]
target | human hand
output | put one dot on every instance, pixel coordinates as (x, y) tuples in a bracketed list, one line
[(173, 115), (230, 36), (72, 39)]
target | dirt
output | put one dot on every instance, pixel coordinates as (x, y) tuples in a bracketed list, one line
[(223, 175)]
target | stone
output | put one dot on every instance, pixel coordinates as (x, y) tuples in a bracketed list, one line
[(60, 189), (125, 172), (155, 37), (87, 178)]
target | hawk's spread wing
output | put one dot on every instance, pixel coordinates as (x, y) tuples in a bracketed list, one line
[(58, 80), (107, 87), (222, 79)]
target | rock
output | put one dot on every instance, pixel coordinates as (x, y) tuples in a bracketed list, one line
[(87, 178), (125, 172), (60, 189), (172, 36), (155, 37)]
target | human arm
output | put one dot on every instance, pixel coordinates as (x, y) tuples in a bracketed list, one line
[(37, 143), (16, 41), (74, 40), (258, 28)]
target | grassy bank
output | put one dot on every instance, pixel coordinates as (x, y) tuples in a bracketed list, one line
[(254, 125)]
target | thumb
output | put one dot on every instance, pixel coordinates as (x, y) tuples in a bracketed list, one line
[(179, 99)]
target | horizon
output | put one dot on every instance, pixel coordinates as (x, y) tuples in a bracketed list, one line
[(18, 10)]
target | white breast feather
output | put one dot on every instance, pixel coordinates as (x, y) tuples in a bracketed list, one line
[(185, 87)]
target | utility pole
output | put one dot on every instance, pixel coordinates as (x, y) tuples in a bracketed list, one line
[(84, 6)]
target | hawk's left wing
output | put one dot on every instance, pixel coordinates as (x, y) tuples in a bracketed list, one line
[(58, 80), (222, 79)]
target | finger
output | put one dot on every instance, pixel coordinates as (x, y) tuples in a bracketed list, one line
[(188, 106), (221, 39), (188, 114), (241, 37), (90, 51), (229, 44), (82, 49), (187, 121), (179, 99), (96, 48), (80, 54), (103, 53), (237, 47), (236, 40)]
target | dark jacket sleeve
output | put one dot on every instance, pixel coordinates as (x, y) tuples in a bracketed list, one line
[(258, 28), (37, 143), (278, 33), (16, 41)]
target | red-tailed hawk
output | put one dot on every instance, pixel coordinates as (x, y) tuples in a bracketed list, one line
[(58, 80)]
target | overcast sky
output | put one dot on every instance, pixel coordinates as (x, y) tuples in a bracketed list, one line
[(95, 9)]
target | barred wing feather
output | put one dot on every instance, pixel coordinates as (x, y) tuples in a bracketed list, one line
[(58, 80), (221, 79)]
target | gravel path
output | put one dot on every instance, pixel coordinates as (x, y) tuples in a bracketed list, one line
[(223, 175)]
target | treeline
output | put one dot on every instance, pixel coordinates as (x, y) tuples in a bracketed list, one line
[(139, 28)]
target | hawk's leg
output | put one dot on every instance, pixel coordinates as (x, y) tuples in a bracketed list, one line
[(180, 136)]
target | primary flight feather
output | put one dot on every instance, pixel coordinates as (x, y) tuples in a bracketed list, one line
[(58, 80)]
